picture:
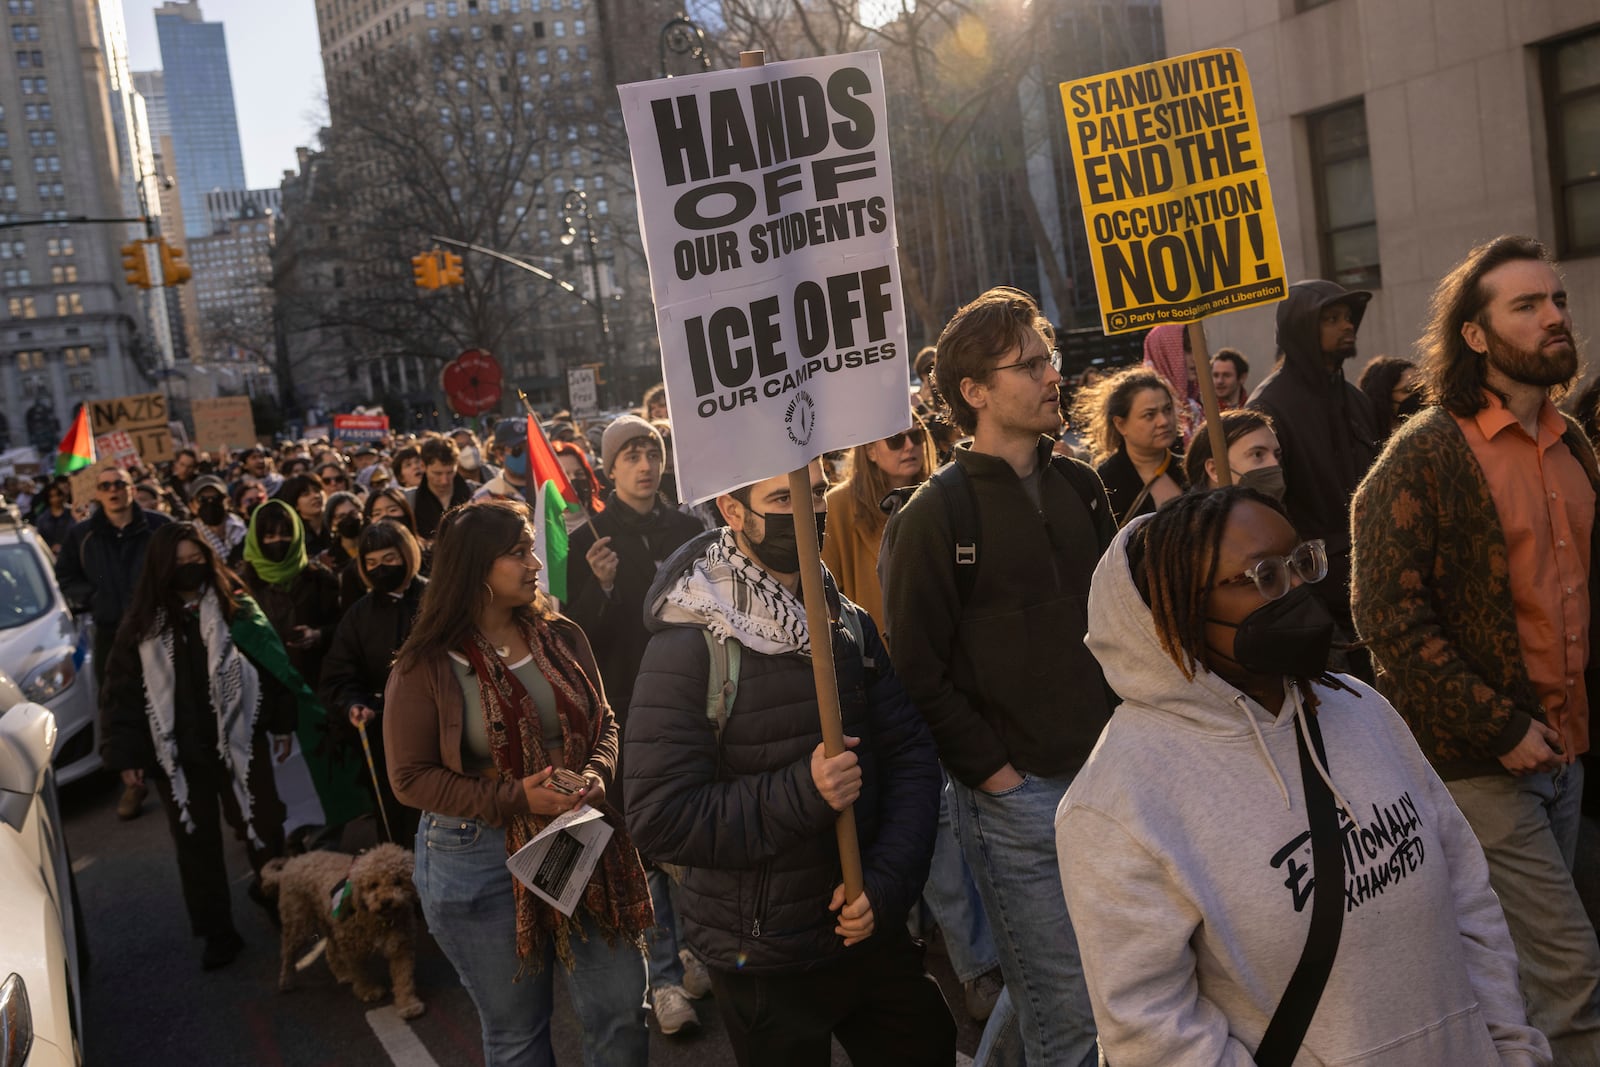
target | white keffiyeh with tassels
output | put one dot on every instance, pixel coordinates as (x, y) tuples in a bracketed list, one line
[(235, 701), (732, 596)]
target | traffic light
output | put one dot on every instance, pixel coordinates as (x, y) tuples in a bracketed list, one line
[(135, 265), (174, 270), (451, 274), (425, 270)]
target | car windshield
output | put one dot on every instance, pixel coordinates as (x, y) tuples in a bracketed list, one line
[(25, 592)]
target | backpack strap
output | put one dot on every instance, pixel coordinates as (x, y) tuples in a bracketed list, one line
[(961, 505), (722, 683)]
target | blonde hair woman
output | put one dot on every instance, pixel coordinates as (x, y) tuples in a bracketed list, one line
[(856, 518)]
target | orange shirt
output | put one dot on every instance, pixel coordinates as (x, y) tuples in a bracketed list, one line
[(1546, 508)]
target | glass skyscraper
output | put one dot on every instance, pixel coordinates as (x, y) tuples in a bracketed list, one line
[(199, 98)]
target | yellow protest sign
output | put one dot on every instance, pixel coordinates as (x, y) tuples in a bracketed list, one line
[(1173, 182)]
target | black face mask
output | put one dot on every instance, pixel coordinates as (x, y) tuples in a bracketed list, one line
[(212, 512), (1290, 636), (387, 578), (276, 551), (349, 527), (779, 549), (189, 577), (1408, 407)]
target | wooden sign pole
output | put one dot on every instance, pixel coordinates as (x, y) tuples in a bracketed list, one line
[(1208, 401), (820, 626)]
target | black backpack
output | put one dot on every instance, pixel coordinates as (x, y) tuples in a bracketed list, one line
[(961, 505)]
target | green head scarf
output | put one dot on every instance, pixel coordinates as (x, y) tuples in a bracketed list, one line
[(284, 571)]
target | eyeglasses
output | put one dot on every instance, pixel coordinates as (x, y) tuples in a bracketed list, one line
[(895, 442), (1035, 366), (1309, 561), (112, 487)]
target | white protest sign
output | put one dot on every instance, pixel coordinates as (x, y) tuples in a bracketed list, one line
[(767, 214), (583, 392)]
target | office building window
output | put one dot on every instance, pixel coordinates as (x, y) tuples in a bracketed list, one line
[(1346, 211), (1572, 102)]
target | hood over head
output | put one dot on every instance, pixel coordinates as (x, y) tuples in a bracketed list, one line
[(1299, 322), (1122, 636)]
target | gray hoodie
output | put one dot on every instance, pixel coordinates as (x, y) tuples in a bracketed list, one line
[(1186, 862)]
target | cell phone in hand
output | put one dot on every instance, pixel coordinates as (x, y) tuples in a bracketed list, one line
[(564, 781)]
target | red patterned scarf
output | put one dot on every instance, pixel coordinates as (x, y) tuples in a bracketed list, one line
[(617, 895)]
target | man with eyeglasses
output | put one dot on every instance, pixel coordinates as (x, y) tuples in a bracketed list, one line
[(1475, 546), (98, 567), (996, 662)]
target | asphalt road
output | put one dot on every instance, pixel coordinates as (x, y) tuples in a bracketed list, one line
[(148, 1002)]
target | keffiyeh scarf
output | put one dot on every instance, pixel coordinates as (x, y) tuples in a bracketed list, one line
[(732, 596)]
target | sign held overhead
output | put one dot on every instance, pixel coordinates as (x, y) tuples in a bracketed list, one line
[(767, 212), (1173, 182)]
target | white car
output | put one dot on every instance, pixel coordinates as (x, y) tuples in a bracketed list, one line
[(44, 649), (41, 1014)]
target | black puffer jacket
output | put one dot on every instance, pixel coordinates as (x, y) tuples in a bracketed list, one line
[(755, 837)]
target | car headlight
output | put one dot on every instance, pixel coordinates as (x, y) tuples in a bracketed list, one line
[(50, 680), (16, 1022)]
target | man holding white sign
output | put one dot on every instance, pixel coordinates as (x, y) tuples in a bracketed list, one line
[(737, 789)]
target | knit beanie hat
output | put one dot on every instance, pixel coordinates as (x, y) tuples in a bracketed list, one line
[(619, 434)]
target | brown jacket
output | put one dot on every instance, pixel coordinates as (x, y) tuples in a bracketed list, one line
[(850, 551), (1432, 597), (422, 712)]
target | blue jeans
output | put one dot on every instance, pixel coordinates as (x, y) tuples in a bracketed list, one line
[(662, 952), (1010, 843), (466, 894), (952, 896), (1001, 1044)]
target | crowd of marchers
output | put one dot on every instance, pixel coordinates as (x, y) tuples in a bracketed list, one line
[(1186, 766)]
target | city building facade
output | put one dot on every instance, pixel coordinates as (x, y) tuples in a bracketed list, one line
[(1399, 135), (199, 105), (70, 329)]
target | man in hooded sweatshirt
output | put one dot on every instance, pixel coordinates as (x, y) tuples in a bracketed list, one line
[(1324, 423), (748, 808)]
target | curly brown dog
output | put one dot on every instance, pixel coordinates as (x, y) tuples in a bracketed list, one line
[(376, 918)]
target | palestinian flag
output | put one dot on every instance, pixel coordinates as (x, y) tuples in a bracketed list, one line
[(543, 466), (550, 530), (77, 448)]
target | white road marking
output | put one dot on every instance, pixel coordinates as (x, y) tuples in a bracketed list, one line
[(963, 1060), (405, 1049)]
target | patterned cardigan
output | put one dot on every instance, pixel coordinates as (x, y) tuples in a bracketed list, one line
[(1431, 596)]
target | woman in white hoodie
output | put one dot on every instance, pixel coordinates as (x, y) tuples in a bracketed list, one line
[(1185, 843)]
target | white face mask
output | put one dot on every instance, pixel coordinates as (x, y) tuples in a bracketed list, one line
[(469, 459)]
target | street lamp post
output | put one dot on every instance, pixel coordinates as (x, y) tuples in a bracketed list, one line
[(682, 36), (575, 204)]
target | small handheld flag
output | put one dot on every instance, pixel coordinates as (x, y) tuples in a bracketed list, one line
[(76, 450)]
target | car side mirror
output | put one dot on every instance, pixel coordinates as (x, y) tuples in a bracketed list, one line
[(27, 740)]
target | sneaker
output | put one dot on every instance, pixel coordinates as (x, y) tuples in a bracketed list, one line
[(696, 982), (221, 951), (981, 994), (132, 802), (672, 1008)]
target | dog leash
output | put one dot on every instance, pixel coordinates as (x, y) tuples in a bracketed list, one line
[(377, 791)]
